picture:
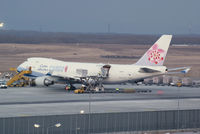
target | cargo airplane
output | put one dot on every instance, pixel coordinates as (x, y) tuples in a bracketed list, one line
[(47, 71)]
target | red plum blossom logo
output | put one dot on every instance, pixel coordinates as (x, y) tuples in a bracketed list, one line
[(66, 68), (155, 55)]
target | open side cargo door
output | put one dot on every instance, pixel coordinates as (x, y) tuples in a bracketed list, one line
[(105, 71)]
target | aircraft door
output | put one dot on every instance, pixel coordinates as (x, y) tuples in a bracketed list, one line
[(105, 70)]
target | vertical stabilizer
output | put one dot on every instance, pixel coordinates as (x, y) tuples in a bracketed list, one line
[(155, 56)]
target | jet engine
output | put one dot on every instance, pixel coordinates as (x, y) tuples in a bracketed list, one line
[(44, 81)]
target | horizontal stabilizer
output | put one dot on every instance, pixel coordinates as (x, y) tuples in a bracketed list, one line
[(180, 70)]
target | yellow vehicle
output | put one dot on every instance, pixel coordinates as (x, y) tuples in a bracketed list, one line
[(19, 76), (178, 84), (79, 91)]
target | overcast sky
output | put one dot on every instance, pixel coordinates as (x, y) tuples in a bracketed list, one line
[(94, 16)]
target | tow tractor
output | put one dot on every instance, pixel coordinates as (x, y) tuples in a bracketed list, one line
[(79, 91)]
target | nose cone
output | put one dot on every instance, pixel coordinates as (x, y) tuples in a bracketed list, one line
[(21, 67)]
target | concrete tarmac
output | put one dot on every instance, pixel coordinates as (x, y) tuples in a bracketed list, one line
[(57, 93), (33, 101)]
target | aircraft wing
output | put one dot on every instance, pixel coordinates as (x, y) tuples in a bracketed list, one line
[(148, 70), (64, 77)]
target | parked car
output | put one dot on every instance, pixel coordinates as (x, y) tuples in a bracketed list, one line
[(2, 85)]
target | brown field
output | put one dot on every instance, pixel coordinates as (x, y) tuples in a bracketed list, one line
[(11, 55)]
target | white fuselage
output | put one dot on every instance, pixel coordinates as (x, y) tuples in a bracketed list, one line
[(117, 73)]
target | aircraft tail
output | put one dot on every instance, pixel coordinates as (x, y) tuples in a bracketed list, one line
[(155, 56)]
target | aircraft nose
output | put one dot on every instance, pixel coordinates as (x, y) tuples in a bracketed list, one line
[(21, 67)]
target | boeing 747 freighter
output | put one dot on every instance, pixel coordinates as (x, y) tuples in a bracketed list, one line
[(47, 71)]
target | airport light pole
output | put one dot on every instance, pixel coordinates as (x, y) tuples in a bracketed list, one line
[(89, 111), (1, 25), (178, 114), (81, 112), (47, 128)]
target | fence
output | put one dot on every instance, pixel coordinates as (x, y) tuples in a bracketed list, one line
[(101, 122)]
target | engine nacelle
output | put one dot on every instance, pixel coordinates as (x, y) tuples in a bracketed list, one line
[(44, 81)]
